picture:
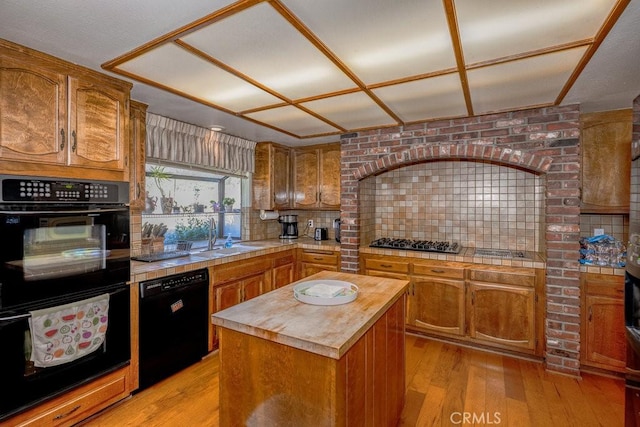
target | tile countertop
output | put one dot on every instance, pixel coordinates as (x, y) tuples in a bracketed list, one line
[(151, 270), (329, 331), (467, 255)]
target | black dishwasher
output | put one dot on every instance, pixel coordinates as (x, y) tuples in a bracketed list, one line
[(173, 324)]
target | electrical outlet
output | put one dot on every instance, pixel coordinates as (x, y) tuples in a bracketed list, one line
[(310, 223)]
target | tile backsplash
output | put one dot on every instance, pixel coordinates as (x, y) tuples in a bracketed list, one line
[(616, 226), (478, 204)]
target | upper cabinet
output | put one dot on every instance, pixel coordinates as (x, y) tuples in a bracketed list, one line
[(60, 119), (271, 179), (606, 161), (137, 149), (316, 177)]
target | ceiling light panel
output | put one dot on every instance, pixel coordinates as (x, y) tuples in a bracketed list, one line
[(528, 82), (262, 45), (434, 97), (351, 111), (381, 40), (175, 68), (293, 120), (498, 28)]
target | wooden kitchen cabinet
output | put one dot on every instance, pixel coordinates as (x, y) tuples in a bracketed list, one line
[(436, 301), (603, 331), (316, 177), (284, 269), (493, 306), (391, 267), (137, 150), (272, 177), (60, 119), (316, 260), (78, 404), (236, 282), (503, 307), (606, 161)]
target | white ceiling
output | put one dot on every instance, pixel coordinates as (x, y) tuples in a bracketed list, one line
[(301, 72)]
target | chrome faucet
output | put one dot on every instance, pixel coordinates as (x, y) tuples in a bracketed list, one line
[(213, 232)]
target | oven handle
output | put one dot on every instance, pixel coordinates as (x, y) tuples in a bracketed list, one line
[(86, 211), (27, 315)]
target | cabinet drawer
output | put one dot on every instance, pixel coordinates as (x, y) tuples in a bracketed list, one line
[(386, 265), (438, 270), (603, 285), (518, 277), (320, 258), (79, 404), (238, 270)]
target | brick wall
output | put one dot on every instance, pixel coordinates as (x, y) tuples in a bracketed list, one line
[(544, 141)]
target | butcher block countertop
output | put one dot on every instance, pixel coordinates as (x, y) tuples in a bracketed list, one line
[(329, 331)]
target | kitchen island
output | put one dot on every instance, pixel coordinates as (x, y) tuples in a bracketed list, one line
[(284, 362)]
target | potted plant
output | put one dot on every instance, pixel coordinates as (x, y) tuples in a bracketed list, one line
[(228, 203), (215, 205), (197, 206), (159, 176)]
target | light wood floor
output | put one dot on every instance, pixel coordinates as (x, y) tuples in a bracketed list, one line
[(445, 384)]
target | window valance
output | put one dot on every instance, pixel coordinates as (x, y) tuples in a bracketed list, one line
[(175, 141)]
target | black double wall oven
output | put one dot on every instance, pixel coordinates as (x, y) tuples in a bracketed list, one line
[(64, 297)]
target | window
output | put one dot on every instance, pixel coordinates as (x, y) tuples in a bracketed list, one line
[(189, 202)]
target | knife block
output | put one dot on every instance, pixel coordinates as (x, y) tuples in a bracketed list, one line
[(152, 245)]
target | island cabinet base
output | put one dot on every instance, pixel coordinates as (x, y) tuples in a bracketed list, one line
[(265, 383)]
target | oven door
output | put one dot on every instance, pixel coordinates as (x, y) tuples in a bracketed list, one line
[(49, 251), (26, 384)]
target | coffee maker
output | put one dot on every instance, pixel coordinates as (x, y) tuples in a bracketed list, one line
[(289, 226)]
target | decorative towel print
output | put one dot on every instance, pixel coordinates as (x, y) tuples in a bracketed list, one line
[(67, 332)]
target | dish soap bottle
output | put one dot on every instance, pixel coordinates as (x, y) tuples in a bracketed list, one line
[(228, 243)]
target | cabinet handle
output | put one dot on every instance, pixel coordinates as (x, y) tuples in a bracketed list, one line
[(385, 266), (437, 271), (126, 160), (63, 141), (66, 414), (317, 259), (138, 190), (75, 142), (473, 298), (590, 313)]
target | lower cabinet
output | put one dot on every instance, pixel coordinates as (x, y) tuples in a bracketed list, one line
[(240, 281), (78, 404), (495, 306), (284, 270), (603, 332), (316, 260), (436, 305)]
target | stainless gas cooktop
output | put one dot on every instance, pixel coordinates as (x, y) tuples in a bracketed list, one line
[(417, 245)]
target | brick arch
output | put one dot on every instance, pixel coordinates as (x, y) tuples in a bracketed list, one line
[(500, 155)]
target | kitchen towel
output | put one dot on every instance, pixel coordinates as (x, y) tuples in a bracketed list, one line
[(67, 332)]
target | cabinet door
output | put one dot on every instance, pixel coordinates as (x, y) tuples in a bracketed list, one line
[(311, 269), (228, 295), (33, 112), (330, 177), (605, 340), (305, 175), (137, 142), (253, 286), (97, 125), (437, 305), (502, 314), (281, 167), (606, 161), (283, 275)]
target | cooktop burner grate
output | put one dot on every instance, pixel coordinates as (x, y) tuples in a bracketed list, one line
[(417, 245)]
